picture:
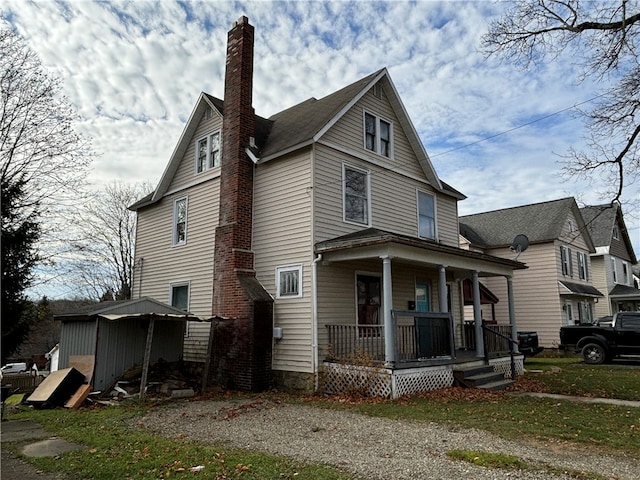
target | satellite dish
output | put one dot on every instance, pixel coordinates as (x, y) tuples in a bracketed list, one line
[(519, 245)]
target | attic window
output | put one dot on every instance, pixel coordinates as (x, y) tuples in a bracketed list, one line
[(615, 232), (377, 90), (208, 152), (378, 135)]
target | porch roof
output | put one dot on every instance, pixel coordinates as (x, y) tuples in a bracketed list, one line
[(624, 291), (579, 289), (375, 243)]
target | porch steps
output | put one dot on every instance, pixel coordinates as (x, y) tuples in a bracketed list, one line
[(480, 377)]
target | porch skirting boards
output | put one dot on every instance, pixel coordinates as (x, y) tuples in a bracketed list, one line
[(383, 382)]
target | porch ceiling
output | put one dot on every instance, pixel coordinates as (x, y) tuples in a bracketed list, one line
[(374, 243)]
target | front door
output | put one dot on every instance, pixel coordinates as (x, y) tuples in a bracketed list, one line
[(368, 293), (422, 297)]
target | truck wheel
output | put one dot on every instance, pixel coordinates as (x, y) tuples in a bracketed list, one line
[(593, 353)]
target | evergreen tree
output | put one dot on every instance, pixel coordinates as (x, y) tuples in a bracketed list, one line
[(19, 257)]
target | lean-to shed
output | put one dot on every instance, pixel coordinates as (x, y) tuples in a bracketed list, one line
[(121, 334)]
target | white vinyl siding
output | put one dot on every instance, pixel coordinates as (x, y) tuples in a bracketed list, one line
[(163, 265), (282, 237), (536, 291)]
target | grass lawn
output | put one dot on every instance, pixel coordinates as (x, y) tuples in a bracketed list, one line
[(570, 376)]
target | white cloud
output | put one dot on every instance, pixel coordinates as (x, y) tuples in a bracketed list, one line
[(134, 70)]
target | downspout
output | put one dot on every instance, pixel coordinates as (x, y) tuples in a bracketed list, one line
[(314, 314)]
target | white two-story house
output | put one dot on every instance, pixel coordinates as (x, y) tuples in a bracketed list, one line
[(304, 235)]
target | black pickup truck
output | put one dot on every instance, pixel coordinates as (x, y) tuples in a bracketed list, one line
[(603, 343)]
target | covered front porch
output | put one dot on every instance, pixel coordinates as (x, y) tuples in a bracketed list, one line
[(403, 334)]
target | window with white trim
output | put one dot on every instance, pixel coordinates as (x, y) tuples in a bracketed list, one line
[(615, 232), (426, 215), (566, 261), (208, 152), (179, 298), (583, 268), (378, 135), (614, 271), (356, 195), (289, 281), (180, 221)]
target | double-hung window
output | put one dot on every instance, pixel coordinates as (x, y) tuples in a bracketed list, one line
[(625, 274), (356, 195), (180, 221), (208, 152), (566, 261), (426, 215), (583, 268), (614, 271), (378, 135), (289, 281)]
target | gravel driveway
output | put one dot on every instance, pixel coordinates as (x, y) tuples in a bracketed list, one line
[(374, 448)]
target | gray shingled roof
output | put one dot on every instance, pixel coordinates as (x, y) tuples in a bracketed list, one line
[(540, 222), (299, 124), (600, 220)]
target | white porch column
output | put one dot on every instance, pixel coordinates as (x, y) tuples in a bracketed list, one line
[(442, 288), (512, 313), (387, 305), (477, 315)]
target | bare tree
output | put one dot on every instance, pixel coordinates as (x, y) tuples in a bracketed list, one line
[(103, 268), (38, 143), (602, 39), (43, 163)]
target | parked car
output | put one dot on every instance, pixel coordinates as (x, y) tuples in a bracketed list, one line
[(19, 367), (528, 344), (601, 343)]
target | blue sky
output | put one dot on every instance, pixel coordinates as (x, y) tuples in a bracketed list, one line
[(133, 70)]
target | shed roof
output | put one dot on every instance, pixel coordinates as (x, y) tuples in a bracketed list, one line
[(119, 309)]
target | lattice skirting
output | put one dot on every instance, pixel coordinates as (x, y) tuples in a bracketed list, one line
[(503, 365), (383, 382)]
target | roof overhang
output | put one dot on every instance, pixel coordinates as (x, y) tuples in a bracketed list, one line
[(373, 243), (578, 289), (624, 292)]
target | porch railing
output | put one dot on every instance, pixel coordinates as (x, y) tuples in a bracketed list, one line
[(494, 344), (429, 337)]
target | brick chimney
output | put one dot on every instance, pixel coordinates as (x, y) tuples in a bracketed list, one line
[(241, 344)]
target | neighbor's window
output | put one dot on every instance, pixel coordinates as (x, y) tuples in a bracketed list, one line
[(180, 221), (583, 269), (426, 215), (356, 195), (378, 135), (614, 272), (625, 273), (566, 261), (288, 281), (208, 152), (615, 232)]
